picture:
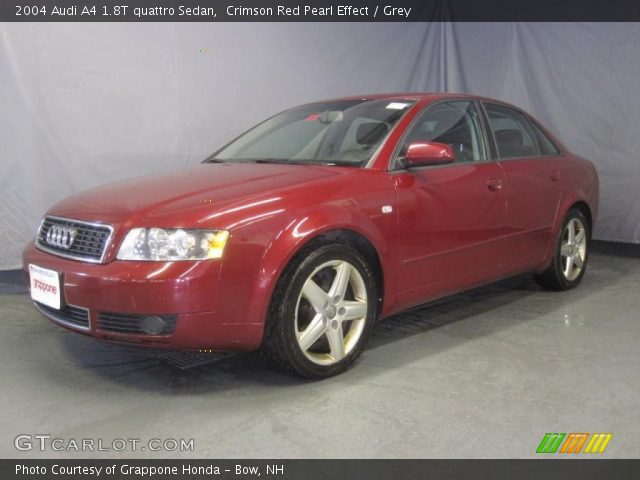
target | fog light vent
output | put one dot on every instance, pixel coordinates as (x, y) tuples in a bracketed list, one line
[(128, 323), (153, 325)]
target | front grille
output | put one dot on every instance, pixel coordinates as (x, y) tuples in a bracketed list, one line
[(88, 243), (132, 323), (69, 315)]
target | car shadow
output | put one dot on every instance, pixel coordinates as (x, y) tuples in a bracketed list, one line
[(472, 314)]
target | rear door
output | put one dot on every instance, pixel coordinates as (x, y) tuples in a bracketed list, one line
[(451, 217), (529, 160)]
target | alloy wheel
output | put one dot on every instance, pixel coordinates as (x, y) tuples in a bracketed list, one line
[(331, 312), (573, 249)]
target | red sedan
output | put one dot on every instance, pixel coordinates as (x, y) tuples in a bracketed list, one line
[(298, 235)]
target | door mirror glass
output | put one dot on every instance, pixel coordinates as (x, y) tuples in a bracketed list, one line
[(421, 154)]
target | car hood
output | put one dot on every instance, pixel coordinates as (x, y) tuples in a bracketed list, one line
[(185, 196)]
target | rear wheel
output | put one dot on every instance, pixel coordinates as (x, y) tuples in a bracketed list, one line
[(322, 311), (570, 255)]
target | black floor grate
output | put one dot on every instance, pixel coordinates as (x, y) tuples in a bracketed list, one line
[(187, 360)]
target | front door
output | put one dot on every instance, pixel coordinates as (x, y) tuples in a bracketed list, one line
[(451, 217)]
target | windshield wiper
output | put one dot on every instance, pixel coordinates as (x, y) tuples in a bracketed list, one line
[(307, 162), (253, 160), (277, 160), (285, 161)]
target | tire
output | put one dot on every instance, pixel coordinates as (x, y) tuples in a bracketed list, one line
[(322, 311), (570, 256)]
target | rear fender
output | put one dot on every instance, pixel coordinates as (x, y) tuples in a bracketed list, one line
[(586, 193)]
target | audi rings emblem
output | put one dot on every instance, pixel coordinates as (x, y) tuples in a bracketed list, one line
[(61, 236)]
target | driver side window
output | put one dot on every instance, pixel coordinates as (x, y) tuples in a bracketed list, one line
[(455, 123)]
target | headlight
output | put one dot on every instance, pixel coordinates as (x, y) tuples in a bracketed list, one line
[(171, 244)]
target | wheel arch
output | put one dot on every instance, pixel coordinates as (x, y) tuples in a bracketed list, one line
[(586, 211), (360, 243), (564, 208), (281, 340), (370, 244)]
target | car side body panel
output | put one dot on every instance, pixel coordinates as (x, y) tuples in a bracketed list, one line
[(452, 228)]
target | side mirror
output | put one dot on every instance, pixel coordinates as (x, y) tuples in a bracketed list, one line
[(420, 154)]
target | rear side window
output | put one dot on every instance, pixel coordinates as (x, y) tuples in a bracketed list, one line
[(547, 147), (515, 137)]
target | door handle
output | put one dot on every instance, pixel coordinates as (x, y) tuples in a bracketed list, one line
[(494, 184), (555, 175)]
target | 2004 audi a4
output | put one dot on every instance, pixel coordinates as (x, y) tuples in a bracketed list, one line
[(298, 235)]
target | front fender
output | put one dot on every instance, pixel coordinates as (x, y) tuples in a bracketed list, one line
[(263, 242), (305, 229)]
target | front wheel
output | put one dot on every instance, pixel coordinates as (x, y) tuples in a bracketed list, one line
[(570, 256), (322, 311)]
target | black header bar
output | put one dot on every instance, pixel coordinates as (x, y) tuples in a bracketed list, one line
[(319, 10)]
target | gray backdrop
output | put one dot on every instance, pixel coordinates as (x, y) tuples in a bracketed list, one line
[(86, 104)]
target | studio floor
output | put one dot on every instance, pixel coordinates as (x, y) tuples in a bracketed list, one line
[(483, 374)]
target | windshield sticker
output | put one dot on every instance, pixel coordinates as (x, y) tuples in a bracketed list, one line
[(312, 117), (397, 105)]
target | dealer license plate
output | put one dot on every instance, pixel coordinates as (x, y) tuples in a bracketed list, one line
[(45, 286)]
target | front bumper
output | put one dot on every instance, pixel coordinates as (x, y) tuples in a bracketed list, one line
[(189, 293)]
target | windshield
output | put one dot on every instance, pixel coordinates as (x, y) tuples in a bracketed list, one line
[(334, 133)]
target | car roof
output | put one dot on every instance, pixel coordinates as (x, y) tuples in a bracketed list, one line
[(418, 96)]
